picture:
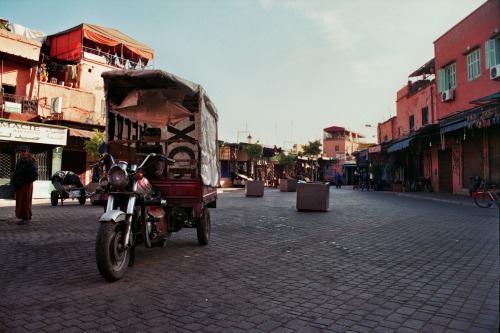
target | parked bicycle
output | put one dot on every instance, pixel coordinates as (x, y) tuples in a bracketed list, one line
[(486, 197)]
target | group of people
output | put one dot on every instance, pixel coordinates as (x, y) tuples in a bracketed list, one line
[(25, 174)]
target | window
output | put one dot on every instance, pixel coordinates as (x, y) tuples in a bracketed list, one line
[(412, 122), (492, 52), (425, 116), (447, 78), (337, 148), (473, 65)]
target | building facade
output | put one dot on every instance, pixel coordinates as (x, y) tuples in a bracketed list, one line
[(52, 96), (447, 127)]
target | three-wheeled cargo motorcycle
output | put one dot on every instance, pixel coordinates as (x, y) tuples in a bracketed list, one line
[(163, 170)]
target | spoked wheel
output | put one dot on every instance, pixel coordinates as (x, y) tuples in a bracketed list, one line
[(203, 227), (483, 200), (112, 260), (54, 198)]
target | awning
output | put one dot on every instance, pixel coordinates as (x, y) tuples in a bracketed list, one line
[(375, 149), (81, 133), (452, 127), (488, 99), (399, 145)]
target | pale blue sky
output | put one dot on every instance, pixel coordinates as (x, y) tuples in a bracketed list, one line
[(281, 70)]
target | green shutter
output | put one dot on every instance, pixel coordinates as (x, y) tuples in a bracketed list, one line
[(441, 80), (489, 53)]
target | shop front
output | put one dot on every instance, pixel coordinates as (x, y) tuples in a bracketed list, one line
[(46, 144)]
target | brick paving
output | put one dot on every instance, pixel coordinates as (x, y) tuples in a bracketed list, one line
[(375, 262)]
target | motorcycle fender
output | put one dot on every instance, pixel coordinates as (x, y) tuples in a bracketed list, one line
[(113, 215)]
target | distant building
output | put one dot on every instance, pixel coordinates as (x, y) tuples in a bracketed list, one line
[(339, 144)]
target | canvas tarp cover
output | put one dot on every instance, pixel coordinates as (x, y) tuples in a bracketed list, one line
[(123, 89), (67, 45)]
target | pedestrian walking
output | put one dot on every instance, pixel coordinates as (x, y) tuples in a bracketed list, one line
[(25, 174)]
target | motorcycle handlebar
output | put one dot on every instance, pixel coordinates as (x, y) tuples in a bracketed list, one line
[(161, 156)]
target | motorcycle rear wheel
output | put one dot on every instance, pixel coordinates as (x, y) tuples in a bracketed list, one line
[(112, 261), (203, 227)]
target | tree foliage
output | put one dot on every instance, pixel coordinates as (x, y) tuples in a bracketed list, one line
[(91, 146), (253, 151), (312, 148)]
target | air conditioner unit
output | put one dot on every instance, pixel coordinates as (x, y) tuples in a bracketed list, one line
[(447, 95), (495, 72), (56, 105)]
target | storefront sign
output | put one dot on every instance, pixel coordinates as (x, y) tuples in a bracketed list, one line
[(20, 131)]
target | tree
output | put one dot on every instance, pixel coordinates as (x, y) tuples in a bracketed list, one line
[(253, 151), (312, 150), (92, 146), (286, 160)]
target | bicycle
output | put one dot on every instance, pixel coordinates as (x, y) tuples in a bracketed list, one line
[(485, 198)]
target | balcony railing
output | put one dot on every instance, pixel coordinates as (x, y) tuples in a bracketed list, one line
[(115, 60), (28, 106)]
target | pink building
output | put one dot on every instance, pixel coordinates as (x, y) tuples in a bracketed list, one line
[(339, 144)]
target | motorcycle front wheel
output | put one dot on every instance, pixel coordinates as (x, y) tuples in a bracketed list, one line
[(112, 260)]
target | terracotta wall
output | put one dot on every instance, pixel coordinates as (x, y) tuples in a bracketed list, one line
[(454, 45)]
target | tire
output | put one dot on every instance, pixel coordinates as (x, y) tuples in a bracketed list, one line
[(82, 199), (54, 198), (203, 228), (112, 262), (483, 200)]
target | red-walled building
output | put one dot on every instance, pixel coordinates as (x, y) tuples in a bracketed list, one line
[(447, 127), (468, 70)]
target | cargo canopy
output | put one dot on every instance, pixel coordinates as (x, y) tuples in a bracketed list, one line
[(68, 44)]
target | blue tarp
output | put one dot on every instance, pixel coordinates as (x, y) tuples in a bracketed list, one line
[(399, 145)]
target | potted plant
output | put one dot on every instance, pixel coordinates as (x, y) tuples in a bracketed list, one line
[(253, 187), (313, 196), (312, 150), (287, 184)]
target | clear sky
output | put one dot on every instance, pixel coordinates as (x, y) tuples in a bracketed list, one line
[(279, 70)]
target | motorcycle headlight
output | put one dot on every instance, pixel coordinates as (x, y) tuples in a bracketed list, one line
[(118, 176), (104, 182)]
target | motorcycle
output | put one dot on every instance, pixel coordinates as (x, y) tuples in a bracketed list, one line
[(135, 213)]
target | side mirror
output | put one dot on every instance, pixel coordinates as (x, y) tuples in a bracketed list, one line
[(103, 148)]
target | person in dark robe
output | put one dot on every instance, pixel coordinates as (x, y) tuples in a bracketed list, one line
[(25, 174)]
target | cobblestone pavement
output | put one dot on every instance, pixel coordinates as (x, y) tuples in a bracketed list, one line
[(375, 262)]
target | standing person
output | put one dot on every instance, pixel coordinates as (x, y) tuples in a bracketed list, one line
[(338, 180), (25, 174)]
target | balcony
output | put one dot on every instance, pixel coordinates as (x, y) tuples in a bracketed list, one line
[(21, 105), (113, 59)]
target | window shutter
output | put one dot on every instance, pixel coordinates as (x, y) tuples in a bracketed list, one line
[(489, 53), (441, 80)]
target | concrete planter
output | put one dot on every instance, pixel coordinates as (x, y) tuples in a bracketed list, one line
[(254, 188), (313, 197), (288, 185), (397, 187)]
